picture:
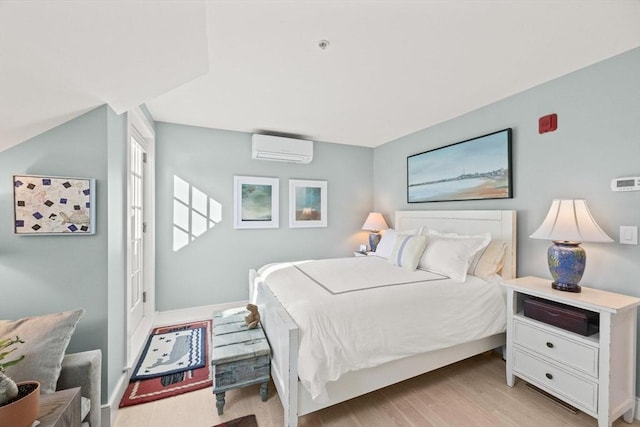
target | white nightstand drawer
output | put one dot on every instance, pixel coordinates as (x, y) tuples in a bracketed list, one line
[(579, 356), (595, 373), (571, 388)]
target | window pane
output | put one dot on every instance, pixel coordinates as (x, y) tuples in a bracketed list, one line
[(198, 224), (180, 239), (181, 190), (199, 200), (180, 215)]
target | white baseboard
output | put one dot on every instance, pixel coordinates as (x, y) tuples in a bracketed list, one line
[(162, 318), (139, 339), (105, 415), (193, 313), (110, 410)]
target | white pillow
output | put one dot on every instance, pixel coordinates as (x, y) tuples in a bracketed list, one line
[(450, 254), (407, 251), (386, 244), (388, 241), (45, 341)]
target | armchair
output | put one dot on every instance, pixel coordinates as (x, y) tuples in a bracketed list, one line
[(84, 370), (46, 338)]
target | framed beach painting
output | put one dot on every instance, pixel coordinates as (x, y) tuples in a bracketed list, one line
[(474, 169), (52, 205), (307, 203), (255, 202)]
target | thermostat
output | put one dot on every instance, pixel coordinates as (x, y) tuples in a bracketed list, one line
[(628, 183)]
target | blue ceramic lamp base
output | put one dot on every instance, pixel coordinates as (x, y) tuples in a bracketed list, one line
[(567, 261), (566, 287), (374, 239)]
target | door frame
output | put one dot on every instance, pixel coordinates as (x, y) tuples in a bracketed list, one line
[(139, 126)]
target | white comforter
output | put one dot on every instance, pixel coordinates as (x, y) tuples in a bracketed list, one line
[(360, 312)]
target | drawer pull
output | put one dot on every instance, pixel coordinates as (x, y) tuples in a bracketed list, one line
[(549, 376), (553, 314), (549, 344)]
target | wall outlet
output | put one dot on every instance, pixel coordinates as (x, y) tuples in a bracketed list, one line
[(628, 235)]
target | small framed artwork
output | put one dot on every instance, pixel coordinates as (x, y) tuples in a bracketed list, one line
[(478, 168), (307, 203), (255, 202), (51, 205)]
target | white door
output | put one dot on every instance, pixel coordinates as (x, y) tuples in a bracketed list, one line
[(140, 284), (135, 292)]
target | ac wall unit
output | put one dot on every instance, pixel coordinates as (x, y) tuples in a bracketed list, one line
[(280, 149)]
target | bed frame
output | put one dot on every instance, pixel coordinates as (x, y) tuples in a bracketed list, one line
[(283, 335)]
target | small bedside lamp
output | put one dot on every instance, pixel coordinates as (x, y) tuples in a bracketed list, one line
[(374, 223), (568, 223)]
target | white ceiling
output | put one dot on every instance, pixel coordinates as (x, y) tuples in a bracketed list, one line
[(391, 67)]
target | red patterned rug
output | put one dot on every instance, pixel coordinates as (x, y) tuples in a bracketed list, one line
[(246, 421), (148, 390)]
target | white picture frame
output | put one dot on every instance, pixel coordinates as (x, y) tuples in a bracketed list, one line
[(256, 202), (53, 205), (307, 203)]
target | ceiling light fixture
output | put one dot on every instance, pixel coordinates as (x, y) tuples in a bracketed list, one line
[(323, 44)]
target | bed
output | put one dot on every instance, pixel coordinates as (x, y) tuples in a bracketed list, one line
[(290, 371)]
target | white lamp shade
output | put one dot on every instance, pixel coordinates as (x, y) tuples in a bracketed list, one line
[(571, 221), (375, 222)]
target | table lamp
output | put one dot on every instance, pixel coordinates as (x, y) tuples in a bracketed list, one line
[(568, 224), (374, 223)]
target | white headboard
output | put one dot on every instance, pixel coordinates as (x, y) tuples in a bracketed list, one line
[(500, 224)]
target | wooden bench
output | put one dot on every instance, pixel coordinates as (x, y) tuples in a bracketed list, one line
[(240, 356)]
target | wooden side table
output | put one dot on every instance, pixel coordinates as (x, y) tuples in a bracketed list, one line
[(60, 409), (595, 373), (240, 356)]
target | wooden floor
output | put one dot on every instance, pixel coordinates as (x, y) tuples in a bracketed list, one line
[(469, 393)]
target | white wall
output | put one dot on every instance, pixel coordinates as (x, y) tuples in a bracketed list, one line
[(598, 138), (214, 267), (47, 274)]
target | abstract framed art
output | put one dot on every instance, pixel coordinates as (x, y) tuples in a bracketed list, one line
[(307, 203), (255, 202), (477, 168), (51, 205)]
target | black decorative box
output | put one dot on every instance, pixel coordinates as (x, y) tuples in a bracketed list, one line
[(574, 319)]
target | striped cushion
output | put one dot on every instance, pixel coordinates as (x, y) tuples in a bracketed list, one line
[(407, 251), (488, 262)]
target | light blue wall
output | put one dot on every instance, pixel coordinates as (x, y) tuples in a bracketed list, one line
[(116, 246), (46, 274), (598, 138), (214, 267)]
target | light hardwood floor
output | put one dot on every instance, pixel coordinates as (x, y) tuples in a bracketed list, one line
[(469, 393)]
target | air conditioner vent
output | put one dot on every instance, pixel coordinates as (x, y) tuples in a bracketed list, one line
[(281, 149)]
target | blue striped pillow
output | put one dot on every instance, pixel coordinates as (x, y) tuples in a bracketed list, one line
[(407, 251)]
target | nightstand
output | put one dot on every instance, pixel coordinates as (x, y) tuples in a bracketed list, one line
[(240, 356), (596, 373), (356, 253)]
